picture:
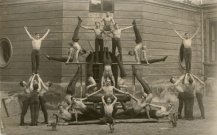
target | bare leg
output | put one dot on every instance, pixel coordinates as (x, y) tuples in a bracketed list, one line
[(150, 61)]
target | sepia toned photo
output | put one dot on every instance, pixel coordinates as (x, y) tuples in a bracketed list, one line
[(116, 67)]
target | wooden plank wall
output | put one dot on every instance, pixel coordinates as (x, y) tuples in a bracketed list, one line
[(61, 17), (38, 15), (151, 16), (210, 14)]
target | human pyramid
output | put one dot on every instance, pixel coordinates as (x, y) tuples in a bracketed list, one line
[(74, 109)]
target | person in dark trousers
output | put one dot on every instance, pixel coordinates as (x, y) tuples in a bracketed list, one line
[(180, 96), (99, 43), (26, 101), (34, 104), (199, 96), (36, 46), (189, 93)]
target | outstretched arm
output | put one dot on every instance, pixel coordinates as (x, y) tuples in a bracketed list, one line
[(31, 82), (45, 35), (120, 91), (70, 54), (87, 28), (93, 82), (133, 97), (156, 106), (195, 33), (30, 36), (122, 29), (94, 93), (175, 30)]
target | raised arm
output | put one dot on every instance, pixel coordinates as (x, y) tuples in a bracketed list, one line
[(30, 36), (195, 33), (122, 29), (87, 28), (179, 80), (94, 93), (93, 83), (178, 33), (45, 35), (175, 30), (42, 83), (31, 82), (103, 100), (115, 100)]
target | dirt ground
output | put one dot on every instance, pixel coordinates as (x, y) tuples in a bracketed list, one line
[(207, 126)]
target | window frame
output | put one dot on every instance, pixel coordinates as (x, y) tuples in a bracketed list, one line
[(102, 10)]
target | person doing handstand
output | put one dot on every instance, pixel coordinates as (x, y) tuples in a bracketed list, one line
[(75, 48)]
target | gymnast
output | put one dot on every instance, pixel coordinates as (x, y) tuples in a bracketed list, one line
[(75, 48), (70, 90), (107, 73), (98, 39), (91, 83), (79, 109), (186, 51), (108, 110), (116, 38), (108, 21), (26, 101), (36, 45)]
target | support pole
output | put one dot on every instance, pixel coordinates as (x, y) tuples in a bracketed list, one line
[(81, 89)]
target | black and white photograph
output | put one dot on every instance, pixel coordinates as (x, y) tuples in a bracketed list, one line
[(108, 67)]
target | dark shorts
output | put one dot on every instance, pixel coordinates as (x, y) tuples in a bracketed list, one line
[(109, 119)]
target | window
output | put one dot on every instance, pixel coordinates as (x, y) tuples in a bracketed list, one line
[(101, 6), (213, 42)]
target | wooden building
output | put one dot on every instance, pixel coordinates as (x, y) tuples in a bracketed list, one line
[(61, 17)]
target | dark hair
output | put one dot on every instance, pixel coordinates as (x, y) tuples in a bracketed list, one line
[(36, 33), (171, 79), (190, 80), (21, 83), (35, 86), (59, 105)]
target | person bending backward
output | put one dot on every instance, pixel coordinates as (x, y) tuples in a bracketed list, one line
[(107, 73), (189, 93), (108, 110), (42, 100), (75, 48), (34, 101), (186, 42), (36, 45), (99, 43), (180, 90), (116, 38), (28, 88), (108, 21)]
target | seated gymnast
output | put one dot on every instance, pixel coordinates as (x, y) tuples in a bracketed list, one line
[(36, 45), (108, 21), (107, 73), (108, 110), (77, 109)]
